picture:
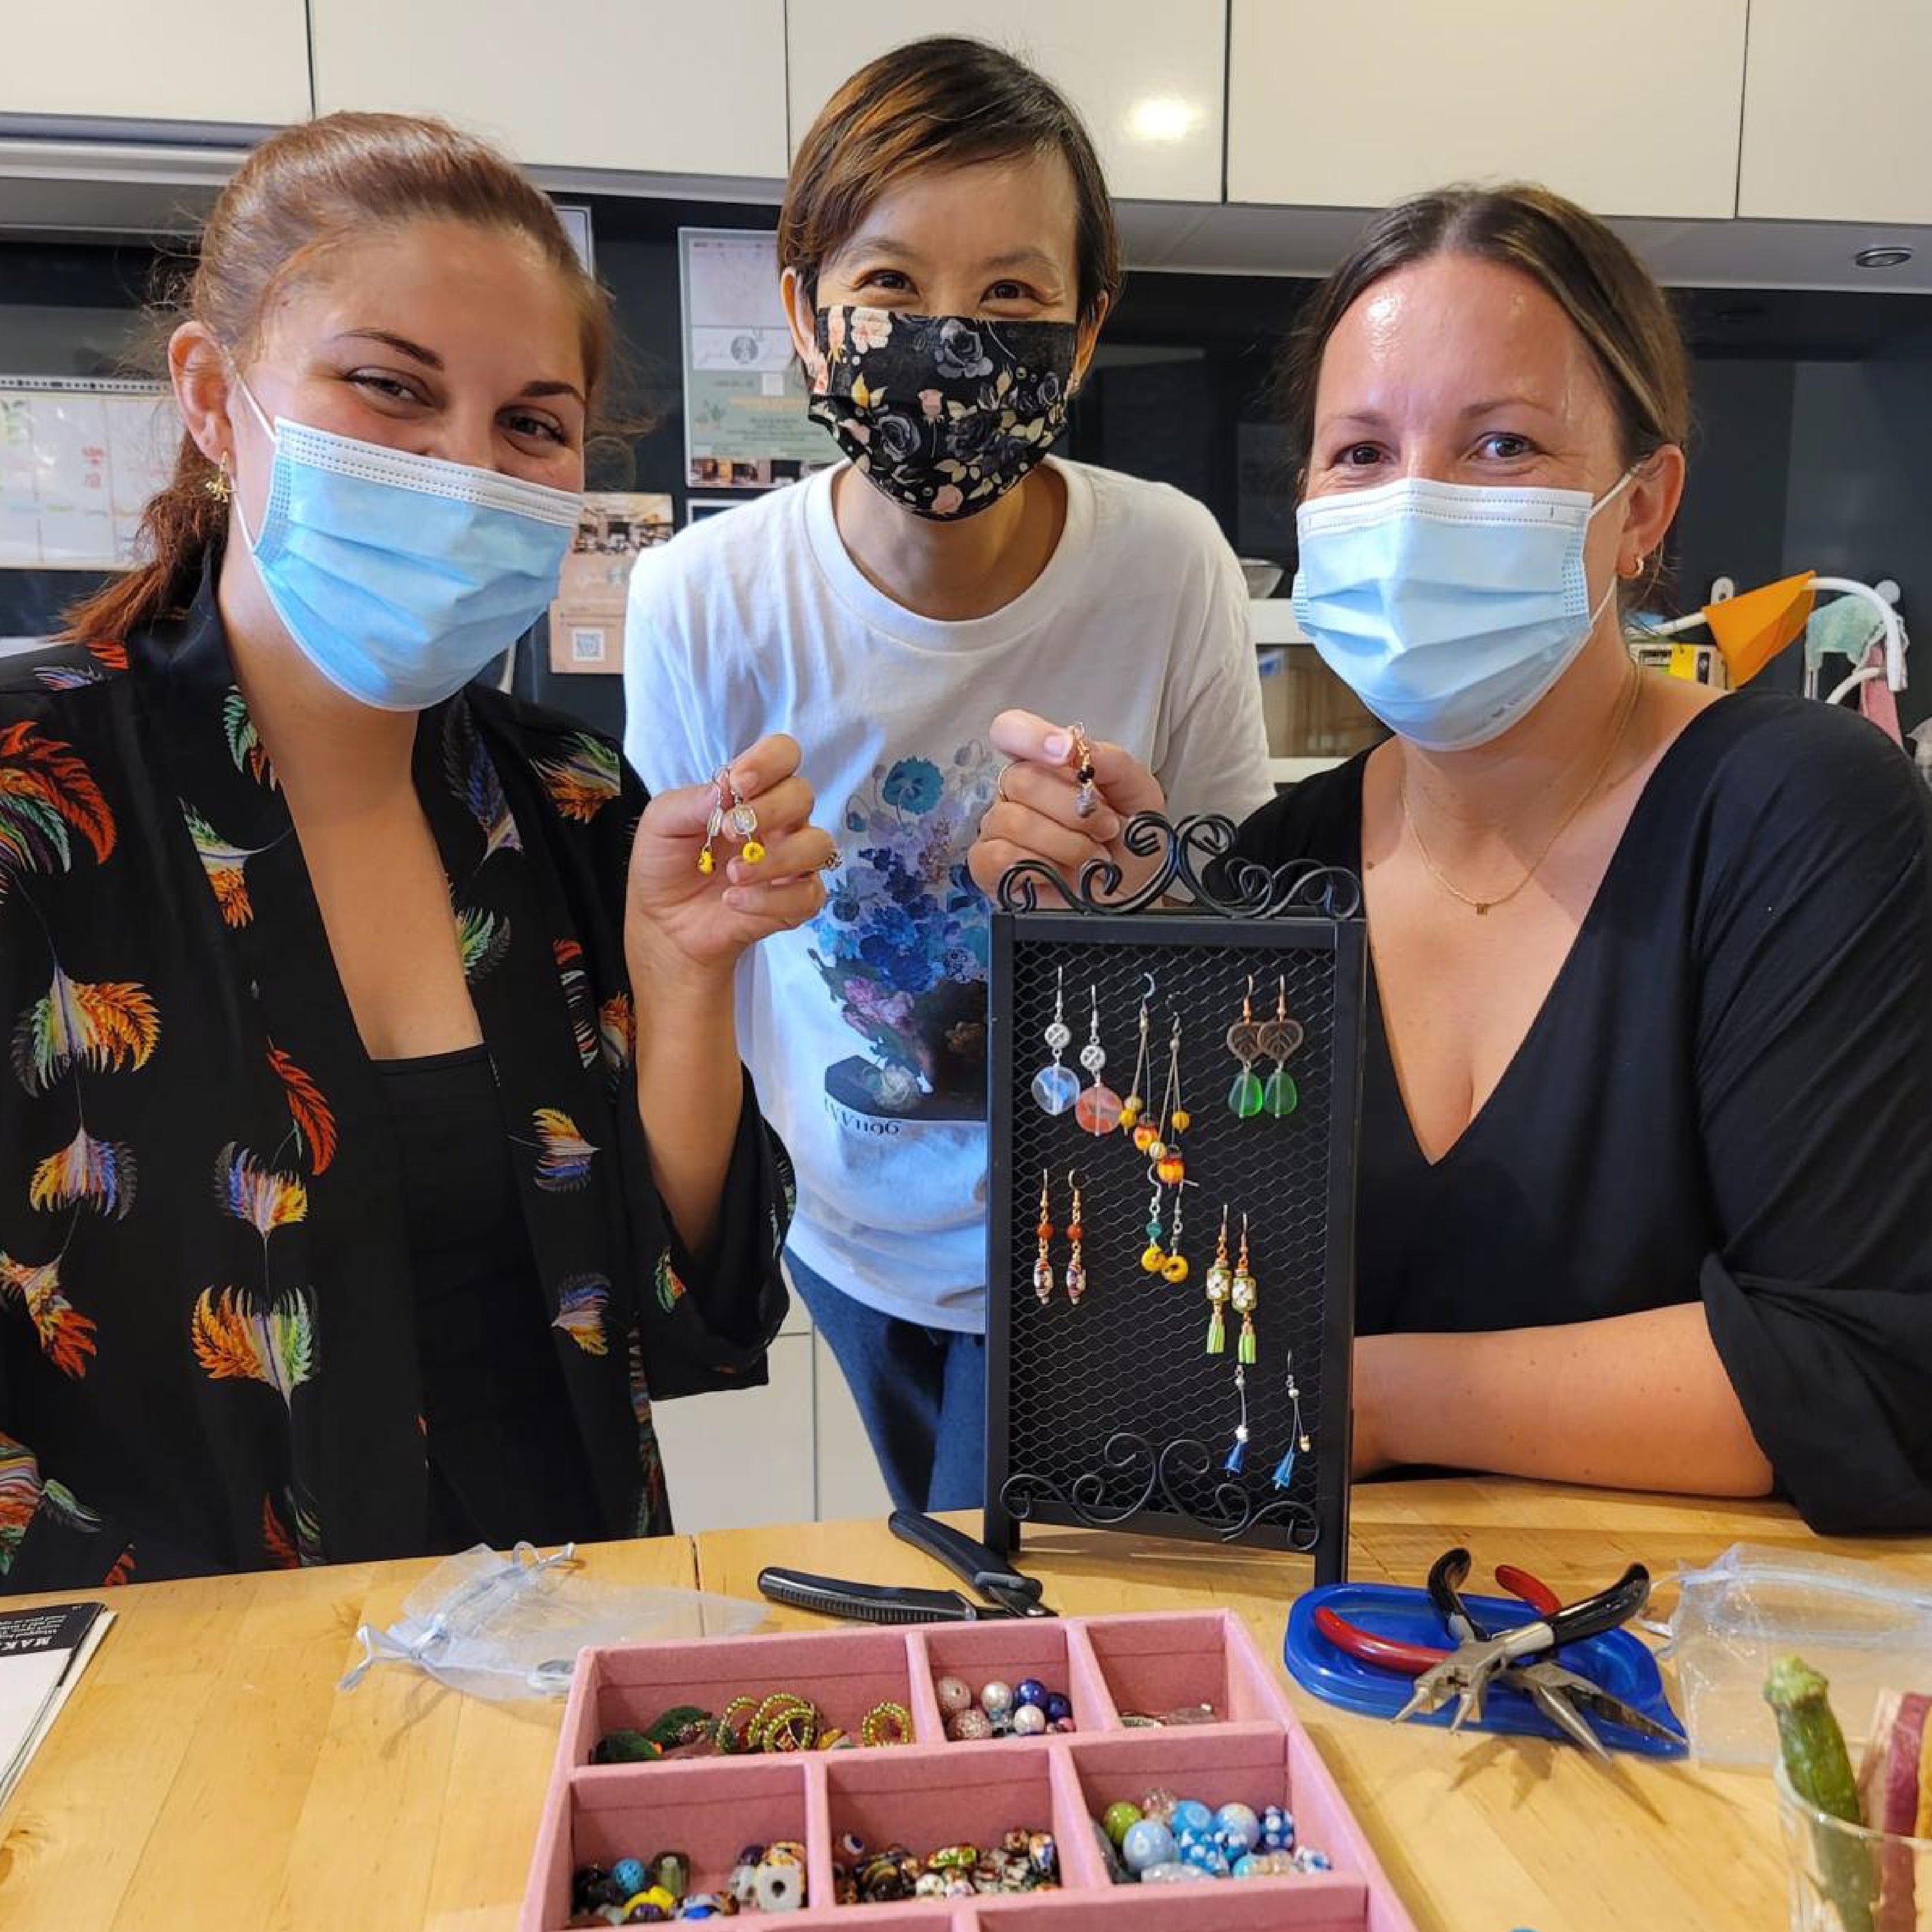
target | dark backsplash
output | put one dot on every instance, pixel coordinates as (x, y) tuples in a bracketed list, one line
[(1813, 444)]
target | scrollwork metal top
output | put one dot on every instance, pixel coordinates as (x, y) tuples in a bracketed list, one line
[(1192, 857)]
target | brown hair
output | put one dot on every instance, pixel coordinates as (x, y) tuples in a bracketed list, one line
[(1581, 264), (944, 102), (299, 195)]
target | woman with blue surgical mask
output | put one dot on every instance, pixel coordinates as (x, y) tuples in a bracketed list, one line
[(1645, 1177), (377, 1146)]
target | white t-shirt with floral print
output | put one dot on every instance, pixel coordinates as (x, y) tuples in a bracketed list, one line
[(866, 1030)]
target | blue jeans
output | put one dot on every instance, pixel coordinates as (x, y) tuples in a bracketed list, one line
[(921, 1393)]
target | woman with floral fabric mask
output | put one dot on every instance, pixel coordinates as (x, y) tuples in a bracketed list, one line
[(949, 256), (355, 1202), (1645, 1180)]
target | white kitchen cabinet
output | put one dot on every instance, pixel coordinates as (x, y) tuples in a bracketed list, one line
[(243, 61), (1146, 75), (651, 89), (744, 1456), (1631, 110), (1836, 127)]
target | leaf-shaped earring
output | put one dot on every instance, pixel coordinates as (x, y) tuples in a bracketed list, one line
[(1280, 1040), (1244, 1096)]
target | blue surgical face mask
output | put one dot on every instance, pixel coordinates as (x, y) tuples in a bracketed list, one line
[(400, 576), (1449, 609)]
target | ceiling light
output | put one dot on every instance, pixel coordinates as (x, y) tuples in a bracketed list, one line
[(1893, 257), (1163, 118)]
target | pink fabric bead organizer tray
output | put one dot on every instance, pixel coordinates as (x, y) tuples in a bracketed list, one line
[(936, 1791)]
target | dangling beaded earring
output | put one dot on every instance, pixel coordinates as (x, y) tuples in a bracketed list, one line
[(1243, 1297), (1098, 1109), (1238, 1455), (706, 863), (1245, 1097), (1086, 798), (1164, 1148), (1076, 1270), (1220, 1286), (220, 486), (1280, 1040), (1057, 1088), (1043, 1266), (1134, 1104), (1297, 1436), (1174, 1268), (742, 823), (1153, 1256)]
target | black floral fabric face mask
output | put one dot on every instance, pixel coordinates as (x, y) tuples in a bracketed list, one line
[(944, 413)]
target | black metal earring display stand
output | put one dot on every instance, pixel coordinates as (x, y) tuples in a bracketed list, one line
[(1110, 1413)]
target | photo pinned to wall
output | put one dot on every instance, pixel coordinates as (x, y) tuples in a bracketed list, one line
[(586, 620), (80, 457), (697, 508), (744, 425)]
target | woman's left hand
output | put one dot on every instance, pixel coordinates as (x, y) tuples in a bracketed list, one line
[(677, 917)]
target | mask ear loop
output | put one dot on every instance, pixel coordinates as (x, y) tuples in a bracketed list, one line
[(268, 430), (1603, 502)]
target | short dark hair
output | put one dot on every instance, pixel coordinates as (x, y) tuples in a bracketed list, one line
[(947, 101)]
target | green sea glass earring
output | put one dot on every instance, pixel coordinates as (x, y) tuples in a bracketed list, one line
[(1279, 1040), (1245, 1097)]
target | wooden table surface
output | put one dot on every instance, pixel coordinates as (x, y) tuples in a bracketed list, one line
[(207, 1774)]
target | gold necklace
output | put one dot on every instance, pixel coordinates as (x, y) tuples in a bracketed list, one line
[(1589, 791)]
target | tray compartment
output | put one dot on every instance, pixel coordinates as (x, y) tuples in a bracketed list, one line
[(1245, 1905), (1160, 1661), (1046, 1647), (708, 1811), (844, 1673), (931, 1798)]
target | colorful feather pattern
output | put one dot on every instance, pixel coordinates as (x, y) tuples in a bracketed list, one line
[(563, 1155), (617, 1033), (46, 792), (100, 1173), (104, 650), (23, 1492), (66, 1335), (315, 1122), (482, 939), (122, 1570), (225, 864), (234, 1343), (472, 778), (265, 1199), (102, 1026), (68, 677), (576, 997), (585, 779), (580, 1300), (244, 741), (669, 1284), (277, 1544)]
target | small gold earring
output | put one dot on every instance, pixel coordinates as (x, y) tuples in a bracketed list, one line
[(1636, 569), (218, 486)]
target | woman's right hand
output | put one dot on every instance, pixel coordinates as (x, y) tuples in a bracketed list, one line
[(1035, 818)]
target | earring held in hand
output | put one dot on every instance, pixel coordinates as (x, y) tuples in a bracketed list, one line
[(742, 822), (706, 863), (1086, 795)]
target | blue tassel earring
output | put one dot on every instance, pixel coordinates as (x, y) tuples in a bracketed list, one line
[(1297, 1438)]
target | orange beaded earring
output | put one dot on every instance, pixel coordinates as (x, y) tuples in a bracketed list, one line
[(1043, 1266), (1076, 1269)]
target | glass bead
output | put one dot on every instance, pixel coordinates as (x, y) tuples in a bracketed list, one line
[(1118, 1817), (1180, 1119), (1076, 1283), (707, 864), (1154, 1258), (1098, 1109), (742, 820), (1282, 1097), (628, 1875), (1245, 1099), (1056, 1089), (1239, 1822), (996, 1698), (1058, 1708), (953, 1695), (1029, 1720), (1174, 1269), (1172, 1170), (1145, 1135), (753, 854)]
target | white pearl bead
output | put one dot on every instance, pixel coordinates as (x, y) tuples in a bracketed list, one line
[(996, 1697), (1029, 1720)]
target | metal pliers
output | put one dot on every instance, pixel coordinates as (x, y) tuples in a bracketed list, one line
[(1482, 1657), (1007, 1593)]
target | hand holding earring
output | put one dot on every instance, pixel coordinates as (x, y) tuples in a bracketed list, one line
[(680, 913)]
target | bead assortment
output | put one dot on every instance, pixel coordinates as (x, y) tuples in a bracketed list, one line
[(1166, 1839), (635, 1891), (998, 1709), (1025, 1860), (781, 1721)]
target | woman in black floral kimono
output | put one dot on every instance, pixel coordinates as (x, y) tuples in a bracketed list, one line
[(375, 1147)]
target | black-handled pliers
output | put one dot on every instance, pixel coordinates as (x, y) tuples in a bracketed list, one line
[(1466, 1673)]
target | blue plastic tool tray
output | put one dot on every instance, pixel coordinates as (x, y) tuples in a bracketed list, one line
[(1616, 1661)]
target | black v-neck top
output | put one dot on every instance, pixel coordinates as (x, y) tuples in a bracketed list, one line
[(505, 1460), (1727, 1094)]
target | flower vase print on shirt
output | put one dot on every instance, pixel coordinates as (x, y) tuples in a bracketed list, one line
[(904, 941)]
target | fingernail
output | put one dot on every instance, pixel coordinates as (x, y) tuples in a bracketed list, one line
[(1058, 744)]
